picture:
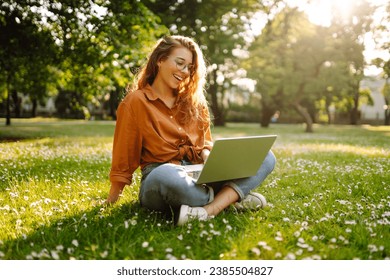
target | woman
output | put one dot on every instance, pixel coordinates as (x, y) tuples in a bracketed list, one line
[(162, 124)]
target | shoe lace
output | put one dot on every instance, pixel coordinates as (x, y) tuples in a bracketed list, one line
[(195, 213)]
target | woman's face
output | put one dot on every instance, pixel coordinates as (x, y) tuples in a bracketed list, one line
[(176, 67)]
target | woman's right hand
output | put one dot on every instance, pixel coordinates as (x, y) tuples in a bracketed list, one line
[(115, 192)]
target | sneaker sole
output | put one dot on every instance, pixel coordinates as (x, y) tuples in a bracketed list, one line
[(260, 197), (182, 219)]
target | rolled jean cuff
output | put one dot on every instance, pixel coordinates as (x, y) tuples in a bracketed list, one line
[(211, 192), (237, 189)]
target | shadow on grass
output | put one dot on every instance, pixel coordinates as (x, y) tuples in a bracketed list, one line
[(57, 170), (11, 139), (24, 130), (122, 232)]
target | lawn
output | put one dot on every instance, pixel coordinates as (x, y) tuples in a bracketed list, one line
[(328, 198)]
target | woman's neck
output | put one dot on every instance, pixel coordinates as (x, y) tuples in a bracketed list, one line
[(165, 93), (162, 89)]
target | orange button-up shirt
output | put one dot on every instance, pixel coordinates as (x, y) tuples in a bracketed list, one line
[(147, 131)]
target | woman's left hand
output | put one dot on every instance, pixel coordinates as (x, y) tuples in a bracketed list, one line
[(205, 154)]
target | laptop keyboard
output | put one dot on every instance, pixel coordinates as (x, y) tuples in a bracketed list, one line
[(194, 174), (194, 170)]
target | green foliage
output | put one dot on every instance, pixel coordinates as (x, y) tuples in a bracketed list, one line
[(365, 95), (297, 63), (328, 199), (221, 28), (286, 61), (87, 47), (93, 48), (243, 113), (25, 50)]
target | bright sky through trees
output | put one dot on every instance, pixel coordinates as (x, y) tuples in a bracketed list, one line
[(321, 12)]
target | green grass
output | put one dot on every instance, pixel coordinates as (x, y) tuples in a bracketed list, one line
[(328, 198)]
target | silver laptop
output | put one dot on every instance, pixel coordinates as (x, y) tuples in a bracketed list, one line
[(232, 158)]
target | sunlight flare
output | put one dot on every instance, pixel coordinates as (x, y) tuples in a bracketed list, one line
[(322, 11)]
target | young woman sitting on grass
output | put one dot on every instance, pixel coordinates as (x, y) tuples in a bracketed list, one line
[(162, 124)]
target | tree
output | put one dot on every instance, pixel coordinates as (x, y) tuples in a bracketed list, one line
[(382, 31), (127, 34), (348, 32), (84, 47), (385, 66), (221, 29), (287, 60), (267, 51), (25, 51), (100, 47), (296, 63)]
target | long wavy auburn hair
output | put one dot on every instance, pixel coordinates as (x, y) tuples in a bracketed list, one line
[(192, 103)]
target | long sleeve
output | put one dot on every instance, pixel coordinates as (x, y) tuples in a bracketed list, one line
[(127, 146)]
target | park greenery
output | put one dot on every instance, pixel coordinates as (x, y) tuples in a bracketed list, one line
[(86, 52), (328, 198)]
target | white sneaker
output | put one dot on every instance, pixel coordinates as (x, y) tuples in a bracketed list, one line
[(252, 201), (188, 213)]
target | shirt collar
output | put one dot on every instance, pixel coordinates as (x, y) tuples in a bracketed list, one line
[(150, 93)]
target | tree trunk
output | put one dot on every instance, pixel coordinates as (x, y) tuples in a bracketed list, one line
[(387, 116), (312, 113), (34, 108), (354, 116), (355, 110), (330, 116), (218, 114), (331, 112), (17, 103), (266, 113), (113, 103), (8, 116), (306, 116)]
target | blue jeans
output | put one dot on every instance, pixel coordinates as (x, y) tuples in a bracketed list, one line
[(167, 186)]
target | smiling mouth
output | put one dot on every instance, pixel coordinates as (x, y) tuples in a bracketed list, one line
[(178, 77)]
